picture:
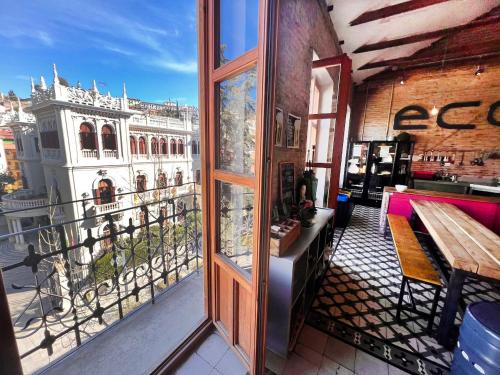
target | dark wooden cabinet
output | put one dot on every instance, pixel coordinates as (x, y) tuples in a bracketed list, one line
[(370, 166)]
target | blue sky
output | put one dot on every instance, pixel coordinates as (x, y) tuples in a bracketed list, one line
[(151, 45)]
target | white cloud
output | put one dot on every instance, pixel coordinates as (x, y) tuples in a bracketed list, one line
[(181, 67), (23, 77), (22, 34), (99, 43), (45, 38)]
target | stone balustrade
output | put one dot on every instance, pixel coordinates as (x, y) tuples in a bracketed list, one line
[(23, 199)]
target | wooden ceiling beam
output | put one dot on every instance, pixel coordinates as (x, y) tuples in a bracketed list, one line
[(393, 10), (426, 36), (421, 63), (413, 59)]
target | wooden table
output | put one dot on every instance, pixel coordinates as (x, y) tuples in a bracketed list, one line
[(470, 248)]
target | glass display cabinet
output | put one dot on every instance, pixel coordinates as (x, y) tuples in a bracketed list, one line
[(356, 168), (373, 165), (381, 168)]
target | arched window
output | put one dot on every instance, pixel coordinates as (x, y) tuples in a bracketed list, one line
[(180, 147), (88, 139), (142, 146), (163, 146), (107, 242), (162, 180), (173, 147), (133, 145), (178, 178), (154, 146), (105, 192), (140, 183), (108, 138)]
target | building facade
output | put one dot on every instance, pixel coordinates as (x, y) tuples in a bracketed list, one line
[(79, 144), (8, 160)]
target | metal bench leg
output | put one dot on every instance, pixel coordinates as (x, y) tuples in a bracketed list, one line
[(401, 295), (411, 295), (433, 308)]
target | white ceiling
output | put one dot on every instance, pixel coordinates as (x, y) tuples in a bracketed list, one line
[(431, 18)]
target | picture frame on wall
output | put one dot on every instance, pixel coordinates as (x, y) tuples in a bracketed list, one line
[(287, 185), (293, 131), (278, 127)]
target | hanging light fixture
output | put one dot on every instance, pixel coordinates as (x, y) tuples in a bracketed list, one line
[(434, 110), (479, 68)]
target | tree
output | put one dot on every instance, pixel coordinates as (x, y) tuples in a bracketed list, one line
[(6, 178)]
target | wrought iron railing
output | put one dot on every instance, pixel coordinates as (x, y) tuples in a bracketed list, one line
[(85, 278)]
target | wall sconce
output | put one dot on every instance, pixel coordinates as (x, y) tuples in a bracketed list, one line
[(479, 70), (434, 111)]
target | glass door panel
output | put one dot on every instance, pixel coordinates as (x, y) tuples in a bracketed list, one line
[(237, 99), (326, 92), (238, 29), (320, 134), (322, 186), (235, 226)]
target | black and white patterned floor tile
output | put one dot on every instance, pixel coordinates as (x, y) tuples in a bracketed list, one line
[(358, 298)]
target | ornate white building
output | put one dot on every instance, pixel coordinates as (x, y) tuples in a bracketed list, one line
[(77, 143)]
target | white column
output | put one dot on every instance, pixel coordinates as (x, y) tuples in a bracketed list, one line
[(11, 229), (100, 153), (18, 228)]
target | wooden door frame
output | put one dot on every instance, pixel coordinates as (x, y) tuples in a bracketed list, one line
[(209, 77), (340, 117)]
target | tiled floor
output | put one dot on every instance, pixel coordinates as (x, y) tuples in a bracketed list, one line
[(213, 357), (316, 353), (358, 298)]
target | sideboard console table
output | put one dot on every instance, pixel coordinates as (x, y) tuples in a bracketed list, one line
[(293, 281)]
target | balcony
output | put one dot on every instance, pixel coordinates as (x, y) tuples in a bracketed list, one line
[(25, 199), (110, 154), (108, 207), (89, 154), (133, 292)]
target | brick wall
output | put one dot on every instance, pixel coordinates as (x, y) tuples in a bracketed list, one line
[(304, 26), (375, 104)]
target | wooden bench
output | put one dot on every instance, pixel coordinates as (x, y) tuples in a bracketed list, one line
[(414, 263)]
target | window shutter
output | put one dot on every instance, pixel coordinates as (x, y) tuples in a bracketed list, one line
[(113, 198)]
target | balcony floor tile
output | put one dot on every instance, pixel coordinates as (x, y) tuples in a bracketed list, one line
[(143, 339)]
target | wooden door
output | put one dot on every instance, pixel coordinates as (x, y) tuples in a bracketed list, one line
[(233, 65), (339, 68)]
